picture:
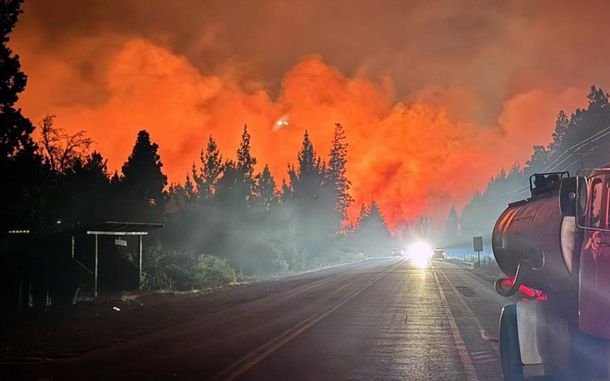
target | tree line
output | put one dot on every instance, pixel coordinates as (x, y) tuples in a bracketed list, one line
[(224, 221), (580, 140)]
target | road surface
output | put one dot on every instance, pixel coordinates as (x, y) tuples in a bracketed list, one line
[(383, 319)]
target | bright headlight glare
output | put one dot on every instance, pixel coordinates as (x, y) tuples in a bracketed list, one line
[(419, 253)]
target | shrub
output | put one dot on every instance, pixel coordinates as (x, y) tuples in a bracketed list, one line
[(211, 271)]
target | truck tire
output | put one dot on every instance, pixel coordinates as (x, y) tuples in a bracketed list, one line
[(510, 357)]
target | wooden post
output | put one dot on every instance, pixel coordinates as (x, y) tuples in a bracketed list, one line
[(72, 247), (95, 269), (140, 264)]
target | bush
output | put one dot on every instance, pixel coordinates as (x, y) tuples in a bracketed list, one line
[(172, 270), (157, 281), (211, 271), (180, 275)]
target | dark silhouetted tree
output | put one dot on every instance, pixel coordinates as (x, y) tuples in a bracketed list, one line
[(538, 161), (61, 150), (561, 126), (364, 212), (210, 170), (265, 193), (306, 158), (143, 179), (312, 204), (82, 193), (307, 178), (235, 187), (372, 235), (189, 188), (229, 189), (24, 180), (245, 160), (337, 177), (15, 134), (245, 163)]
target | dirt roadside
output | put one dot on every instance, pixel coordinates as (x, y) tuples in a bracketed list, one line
[(76, 329)]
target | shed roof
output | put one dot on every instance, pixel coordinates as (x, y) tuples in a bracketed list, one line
[(121, 228)]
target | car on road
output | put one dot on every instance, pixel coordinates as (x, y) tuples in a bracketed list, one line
[(438, 254), (398, 252)]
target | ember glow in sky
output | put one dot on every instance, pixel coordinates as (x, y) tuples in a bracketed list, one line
[(436, 97)]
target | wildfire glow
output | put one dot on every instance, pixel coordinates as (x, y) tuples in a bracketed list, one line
[(422, 138)]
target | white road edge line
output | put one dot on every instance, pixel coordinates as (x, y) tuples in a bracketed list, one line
[(253, 358), (471, 315), (471, 373)]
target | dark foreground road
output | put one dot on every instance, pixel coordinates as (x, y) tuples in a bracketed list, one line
[(378, 320)]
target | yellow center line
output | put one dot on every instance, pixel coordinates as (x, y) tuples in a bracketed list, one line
[(253, 358)]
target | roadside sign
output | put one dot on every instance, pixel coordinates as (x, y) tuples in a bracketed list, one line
[(120, 242), (477, 243)]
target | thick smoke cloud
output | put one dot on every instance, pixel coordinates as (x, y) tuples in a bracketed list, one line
[(435, 97)]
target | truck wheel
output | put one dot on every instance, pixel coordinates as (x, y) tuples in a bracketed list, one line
[(510, 357)]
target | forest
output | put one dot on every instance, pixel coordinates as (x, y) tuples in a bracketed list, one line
[(230, 219), (227, 222), (579, 141)]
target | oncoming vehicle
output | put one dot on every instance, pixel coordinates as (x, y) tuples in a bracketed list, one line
[(555, 248), (398, 252), (438, 254)]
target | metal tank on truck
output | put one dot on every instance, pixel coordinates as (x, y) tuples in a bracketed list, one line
[(555, 248)]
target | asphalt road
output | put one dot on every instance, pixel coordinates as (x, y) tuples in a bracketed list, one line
[(380, 319)]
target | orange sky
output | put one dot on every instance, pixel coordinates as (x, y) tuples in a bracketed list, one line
[(435, 100)]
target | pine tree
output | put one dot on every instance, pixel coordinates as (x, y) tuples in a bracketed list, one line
[(597, 98), (561, 126), (210, 171), (16, 130), (230, 190), (362, 215), (376, 218), (245, 163), (245, 160), (265, 193), (372, 235), (306, 158), (538, 161), (312, 202), (189, 188), (307, 179), (337, 177), (143, 179)]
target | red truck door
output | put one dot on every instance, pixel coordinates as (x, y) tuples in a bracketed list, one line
[(594, 292)]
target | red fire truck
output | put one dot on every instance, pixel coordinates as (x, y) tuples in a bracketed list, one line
[(555, 249)]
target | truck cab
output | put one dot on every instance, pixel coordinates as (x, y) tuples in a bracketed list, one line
[(594, 291)]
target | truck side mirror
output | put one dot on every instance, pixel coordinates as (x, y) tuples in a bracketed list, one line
[(573, 196), (582, 196), (567, 197)]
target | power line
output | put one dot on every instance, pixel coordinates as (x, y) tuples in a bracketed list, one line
[(584, 141), (551, 166), (572, 154)]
